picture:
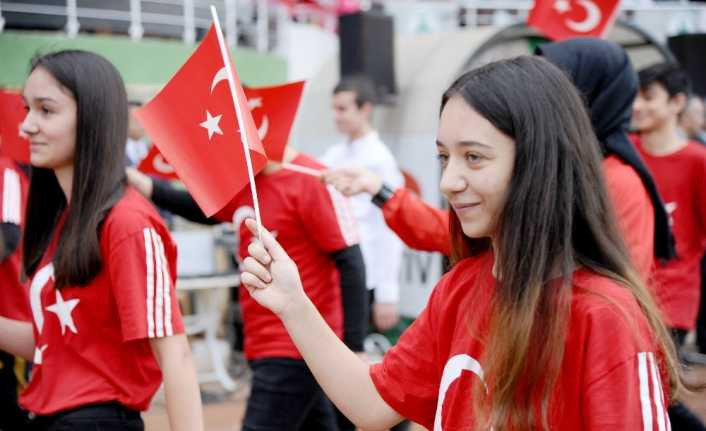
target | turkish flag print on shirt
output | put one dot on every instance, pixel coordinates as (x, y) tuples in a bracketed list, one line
[(193, 123), (566, 19)]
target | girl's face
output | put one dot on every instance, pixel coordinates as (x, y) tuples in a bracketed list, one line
[(477, 161), (50, 123)]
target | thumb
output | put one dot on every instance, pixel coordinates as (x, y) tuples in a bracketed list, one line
[(271, 245)]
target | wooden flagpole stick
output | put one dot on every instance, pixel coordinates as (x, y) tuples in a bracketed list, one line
[(239, 114), (302, 169)]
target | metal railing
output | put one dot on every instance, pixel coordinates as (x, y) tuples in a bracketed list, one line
[(188, 15), (249, 20)]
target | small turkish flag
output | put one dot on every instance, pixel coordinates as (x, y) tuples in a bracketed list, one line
[(12, 114), (566, 19), (155, 164), (274, 109), (193, 122)]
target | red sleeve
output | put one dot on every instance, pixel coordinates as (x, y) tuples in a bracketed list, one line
[(418, 225), (407, 379), (622, 378), (333, 228), (634, 211), (700, 190), (143, 274)]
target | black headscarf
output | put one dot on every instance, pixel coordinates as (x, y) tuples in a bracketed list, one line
[(602, 72)]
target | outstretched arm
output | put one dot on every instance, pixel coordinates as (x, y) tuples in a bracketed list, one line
[(176, 201), (419, 225), (272, 279)]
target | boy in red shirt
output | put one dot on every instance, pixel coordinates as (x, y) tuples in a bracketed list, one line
[(679, 168)]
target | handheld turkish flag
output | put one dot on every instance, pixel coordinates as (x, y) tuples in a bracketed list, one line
[(274, 109), (12, 112), (155, 164), (566, 19), (201, 123)]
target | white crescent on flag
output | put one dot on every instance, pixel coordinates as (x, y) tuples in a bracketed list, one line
[(221, 75), (593, 18), (161, 165), (253, 104)]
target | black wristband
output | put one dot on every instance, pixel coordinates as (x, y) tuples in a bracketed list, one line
[(382, 196)]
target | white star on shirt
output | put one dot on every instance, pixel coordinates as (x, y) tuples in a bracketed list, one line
[(39, 354), (562, 6), (63, 310), (211, 124)]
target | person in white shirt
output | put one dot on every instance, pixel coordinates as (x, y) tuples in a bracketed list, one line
[(353, 100), (138, 144)]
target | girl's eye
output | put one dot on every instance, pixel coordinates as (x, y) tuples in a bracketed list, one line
[(45, 110), (473, 158), (443, 159)]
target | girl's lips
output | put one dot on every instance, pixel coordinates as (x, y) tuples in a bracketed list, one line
[(458, 206)]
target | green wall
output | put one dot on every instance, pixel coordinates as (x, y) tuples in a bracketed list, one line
[(149, 63)]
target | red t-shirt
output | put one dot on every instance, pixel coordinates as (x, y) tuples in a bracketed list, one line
[(610, 376), (92, 341), (681, 181), (310, 220), (14, 301), (634, 210)]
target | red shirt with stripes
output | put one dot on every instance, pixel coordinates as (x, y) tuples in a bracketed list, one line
[(311, 221), (610, 376), (14, 302), (92, 341), (680, 179)]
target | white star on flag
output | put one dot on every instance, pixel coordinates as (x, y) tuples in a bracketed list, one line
[(211, 124), (562, 6), (63, 310)]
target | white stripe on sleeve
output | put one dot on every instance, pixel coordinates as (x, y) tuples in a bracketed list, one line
[(11, 197), (150, 282), (657, 393), (645, 402), (159, 294), (166, 283), (345, 219)]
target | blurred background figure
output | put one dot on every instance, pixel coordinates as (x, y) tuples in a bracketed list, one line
[(353, 100), (693, 119), (138, 144)]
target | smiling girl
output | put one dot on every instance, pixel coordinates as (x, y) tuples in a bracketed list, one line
[(106, 330), (542, 323)]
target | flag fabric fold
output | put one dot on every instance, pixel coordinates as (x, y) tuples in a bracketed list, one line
[(274, 109), (193, 123), (566, 19), (12, 113)]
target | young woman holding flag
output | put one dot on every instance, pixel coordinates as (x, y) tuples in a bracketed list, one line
[(106, 330), (543, 322)]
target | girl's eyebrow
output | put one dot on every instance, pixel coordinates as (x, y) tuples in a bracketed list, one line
[(466, 144)]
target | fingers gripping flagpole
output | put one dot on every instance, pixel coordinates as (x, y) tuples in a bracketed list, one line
[(239, 115)]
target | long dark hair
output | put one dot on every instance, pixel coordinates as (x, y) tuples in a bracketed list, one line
[(98, 175), (557, 217)]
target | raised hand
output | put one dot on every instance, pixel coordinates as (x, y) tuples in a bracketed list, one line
[(351, 181), (270, 275)]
